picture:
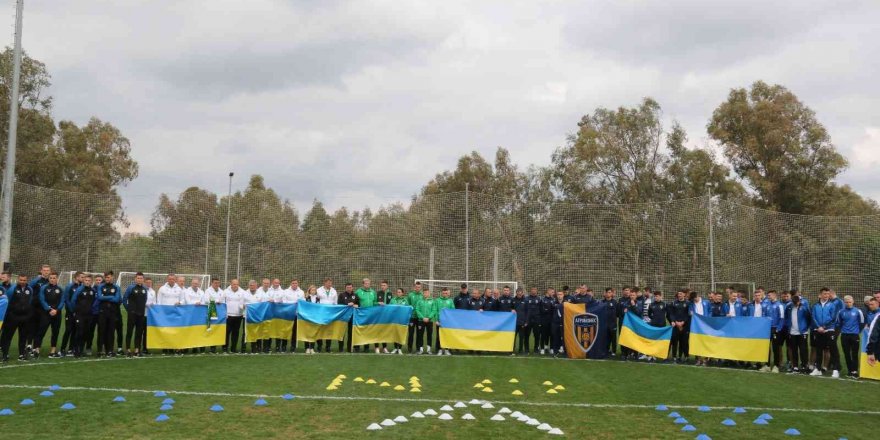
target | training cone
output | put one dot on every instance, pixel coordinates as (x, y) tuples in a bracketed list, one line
[(703, 437), (739, 410), (524, 418), (552, 391), (792, 431), (119, 399), (760, 421), (517, 393), (159, 394), (487, 390), (68, 406), (728, 422), (544, 427), (688, 428), (662, 408), (384, 384), (359, 379), (559, 388), (168, 402), (55, 387), (399, 388), (680, 421), (342, 376), (547, 383), (260, 402), (704, 409), (504, 410), (515, 414), (487, 405), (497, 418), (476, 402), (332, 388), (216, 408), (674, 415), (388, 422), (417, 415), (162, 418), (446, 408), (478, 385), (487, 382), (444, 416), (460, 405), (533, 422), (374, 427), (6, 412), (765, 416), (27, 402), (415, 390), (555, 431), (468, 416), (513, 380), (400, 419), (430, 412), (47, 394), (166, 407), (287, 396), (370, 381)]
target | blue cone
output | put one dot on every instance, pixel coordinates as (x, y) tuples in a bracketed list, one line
[(47, 394), (739, 410), (216, 408), (792, 431), (688, 428), (68, 406), (760, 421), (681, 421), (162, 418), (765, 416), (168, 401), (703, 437), (159, 394), (260, 402), (287, 396), (674, 415), (27, 402), (166, 407), (119, 399), (662, 408), (55, 387), (6, 412), (704, 409), (728, 422)]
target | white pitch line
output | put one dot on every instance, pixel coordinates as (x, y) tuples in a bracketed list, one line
[(422, 400)]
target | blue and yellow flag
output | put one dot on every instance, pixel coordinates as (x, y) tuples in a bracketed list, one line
[(381, 324), (269, 321), (645, 338), (473, 330), (182, 327), (4, 303), (321, 321), (740, 338), (867, 371)]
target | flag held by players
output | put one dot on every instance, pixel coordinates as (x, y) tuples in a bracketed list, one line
[(644, 338), (381, 324), (321, 321), (740, 338), (269, 321), (866, 371), (185, 326), (473, 330)]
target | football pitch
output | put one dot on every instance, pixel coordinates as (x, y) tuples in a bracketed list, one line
[(600, 399)]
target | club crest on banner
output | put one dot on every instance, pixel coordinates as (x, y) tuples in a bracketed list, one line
[(585, 327)]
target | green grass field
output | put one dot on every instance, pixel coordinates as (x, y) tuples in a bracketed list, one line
[(602, 399)]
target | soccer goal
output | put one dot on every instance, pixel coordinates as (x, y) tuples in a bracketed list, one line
[(704, 288), (127, 278), (455, 285)]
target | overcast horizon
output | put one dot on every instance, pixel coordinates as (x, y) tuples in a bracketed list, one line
[(366, 101)]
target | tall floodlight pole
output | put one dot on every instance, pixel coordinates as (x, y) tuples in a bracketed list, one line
[(9, 171), (228, 217), (467, 233), (711, 239)]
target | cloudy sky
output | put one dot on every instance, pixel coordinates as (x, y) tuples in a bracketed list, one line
[(360, 103)]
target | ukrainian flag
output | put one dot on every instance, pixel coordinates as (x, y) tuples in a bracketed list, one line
[(473, 330), (321, 321), (182, 327), (4, 303), (269, 321), (866, 371), (740, 338), (381, 324), (644, 338)]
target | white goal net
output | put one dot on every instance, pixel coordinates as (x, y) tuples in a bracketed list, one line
[(454, 286), (126, 278)]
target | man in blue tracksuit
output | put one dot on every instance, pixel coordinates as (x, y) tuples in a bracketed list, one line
[(19, 315), (36, 283), (67, 339), (798, 321), (679, 317), (522, 318), (825, 325), (81, 302), (611, 309), (51, 299), (533, 319), (135, 303), (547, 307), (851, 321), (109, 298), (556, 321), (733, 307)]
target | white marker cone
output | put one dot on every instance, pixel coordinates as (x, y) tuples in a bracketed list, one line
[(460, 405), (533, 422), (374, 427), (468, 416), (504, 410), (544, 427), (445, 416), (487, 405), (515, 414), (417, 415), (555, 431), (497, 418), (388, 422), (430, 412), (400, 419), (445, 408)]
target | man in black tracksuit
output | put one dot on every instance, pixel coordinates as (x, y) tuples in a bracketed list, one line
[(19, 316), (67, 339), (109, 298), (82, 314), (611, 309), (461, 300), (490, 304), (51, 299), (547, 306), (383, 297), (533, 319), (680, 319), (135, 303), (475, 302), (629, 304), (349, 298), (522, 318), (36, 283)]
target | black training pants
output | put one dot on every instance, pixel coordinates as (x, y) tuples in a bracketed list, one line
[(233, 325), (47, 321), (850, 343), (136, 326), (106, 330), (13, 323)]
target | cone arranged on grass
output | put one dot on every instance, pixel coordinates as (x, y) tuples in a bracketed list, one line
[(216, 408), (370, 382), (55, 387), (162, 417), (680, 421), (415, 390), (517, 393), (487, 390), (260, 402), (662, 408), (739, 410), (547, 383), (446, 408), (287, 396), (559, 388), (417, 415), (476, 402), (159, 394), (760, 421), (384, 384), (342, 376), (544, 427), (388, 422), (468, 416), (513, 380), (27, 402), (524, 418), (444, 416), (358, 379), (6, 412), (166, 407), (703, 437), (168, 401), (374, 427), (552, 391), (504, 410), (487, 382), (704, 409), (487, 405), (792, 431), (478, 385), (119, 399), (68, 406), (728, 422), (533, 422), (555, 431), (674, 415), (331, 388), (430, 412), (765, 416), (688, 428), (497, 418), (399, 388), (515, 414), (47, 393), (400, 419)]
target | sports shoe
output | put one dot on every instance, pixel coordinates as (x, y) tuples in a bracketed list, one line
[(429, 350), (542, 351), (552, 351), (55, 355), (119, 350), (421, 350), (377, 350), (835, 374), (385, 350), (816, 372), (775, 369), (440, 352), (765, 369), (448, 353)]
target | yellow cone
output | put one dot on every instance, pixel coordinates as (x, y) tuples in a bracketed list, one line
[(517, 393), (487, 381), (370, 381), (552, 391), (478, 385), (487, 390), (331, 388), (413, 378), (413, 382), (342, 376), (399, 388), (384, 384), (514, 380), (415, 390), (547, 383), (415, 386), (336, 382), (359, 379), (559, 387)]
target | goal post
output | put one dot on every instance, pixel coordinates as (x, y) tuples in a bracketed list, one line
[(127, 278), (454, 285)]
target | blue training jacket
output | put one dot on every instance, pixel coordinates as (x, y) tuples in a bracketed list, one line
[(824, 315), (851, 320), (803, 316), (737, 308)]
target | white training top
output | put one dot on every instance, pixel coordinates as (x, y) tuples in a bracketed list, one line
[(234, 301), (291, 296), (169, 295), (213, 294), (327, 296), (196, 296)]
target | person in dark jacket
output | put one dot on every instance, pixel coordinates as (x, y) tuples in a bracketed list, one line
[(462, 297), (83, 299), (19, 318), (135, 303), (36, 284), (556, 321), (547, 306), (521, 344), (475, 302), (657, 311), (490, 303), (533, 324), (505, 301), (349, 298), (51, 300), (67, 339), (611, 309), (678, 314), (629, 304)]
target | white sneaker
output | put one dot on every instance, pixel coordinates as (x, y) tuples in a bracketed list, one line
[(642, 357), (765, 369), (429, 350), (775, 369), (816, 372), (835, 374), (561, 350), (377, 350), (552, 352), (421, 350), (448, 353), (542, 351), (440, 352), (385, 350)]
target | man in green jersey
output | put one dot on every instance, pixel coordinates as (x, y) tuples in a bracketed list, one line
[(414, 296), (384, 296), (426, 313), (367, 298), (444, 302), (399, 299)]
